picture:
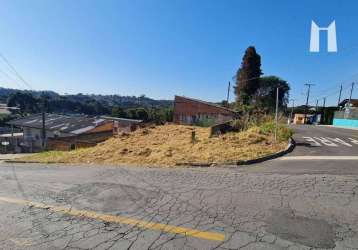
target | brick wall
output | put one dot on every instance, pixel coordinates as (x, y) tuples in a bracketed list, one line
[(188, 111), (107, 126), (80, 141)]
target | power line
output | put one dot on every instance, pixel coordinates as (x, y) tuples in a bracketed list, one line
[(10, 78), (15, 71), (345, 83)]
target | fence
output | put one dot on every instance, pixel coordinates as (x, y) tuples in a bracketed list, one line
[(346, 118), (351, 114)]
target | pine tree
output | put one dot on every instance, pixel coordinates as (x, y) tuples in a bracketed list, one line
[(247, 77)]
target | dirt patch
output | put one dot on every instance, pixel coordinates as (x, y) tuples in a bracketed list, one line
[(169, 145)]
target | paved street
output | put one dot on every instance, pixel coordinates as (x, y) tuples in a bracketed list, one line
[(287, 203), (325, 141)]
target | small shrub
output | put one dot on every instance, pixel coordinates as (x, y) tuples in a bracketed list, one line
[(205, 122), (283, 132)]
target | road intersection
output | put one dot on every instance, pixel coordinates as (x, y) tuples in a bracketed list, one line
[(286, 203)]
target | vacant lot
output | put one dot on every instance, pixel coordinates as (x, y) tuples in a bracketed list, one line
[(169, 145)]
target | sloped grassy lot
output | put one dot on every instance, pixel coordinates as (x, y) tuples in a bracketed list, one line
[(169, 145)]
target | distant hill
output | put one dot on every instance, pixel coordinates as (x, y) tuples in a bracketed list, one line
[(123, 102), (5, 93)]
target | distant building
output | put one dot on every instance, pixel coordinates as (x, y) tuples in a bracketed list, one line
[(4, 109), (353, 103), (300, 119), (123, 124), (9, 142), (192, 111), (347, 116), (62, 132)]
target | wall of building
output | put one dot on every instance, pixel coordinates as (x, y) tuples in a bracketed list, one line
[(346, 118), (108, 126), (188, 111), (79, 141), (12, 144), (345, 123), (32, 141)]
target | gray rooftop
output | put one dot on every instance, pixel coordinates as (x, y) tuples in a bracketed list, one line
[(120, 119), (66, 124)]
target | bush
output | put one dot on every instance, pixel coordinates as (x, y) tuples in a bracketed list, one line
[(283, 132), (205, 122)]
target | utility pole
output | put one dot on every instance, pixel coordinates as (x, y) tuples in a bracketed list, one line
[(323, 111), (316, 106), (276, 115), (350, 96), (43, 131), (293, 106), (340, 95), (308, 96), (228, 94), (316, 110)]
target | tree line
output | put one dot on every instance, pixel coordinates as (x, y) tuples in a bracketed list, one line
[(30, 104)]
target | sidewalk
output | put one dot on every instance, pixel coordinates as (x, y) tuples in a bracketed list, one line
[(331, 126), (4, 157)]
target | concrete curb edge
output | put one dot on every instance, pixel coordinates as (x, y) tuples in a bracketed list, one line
[(19, 161), (291, 145)]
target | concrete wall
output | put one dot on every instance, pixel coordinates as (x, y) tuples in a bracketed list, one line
[(345, 123)]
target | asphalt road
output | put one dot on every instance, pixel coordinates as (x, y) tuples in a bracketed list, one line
[(287, 203), (325, 141)]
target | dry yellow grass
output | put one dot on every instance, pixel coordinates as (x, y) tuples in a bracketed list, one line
[(169, 145)]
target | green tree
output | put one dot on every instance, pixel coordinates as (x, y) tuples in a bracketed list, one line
[(142, 114), (118, 112), (247, 77), (265, 96), (25, 101), (131, 113)]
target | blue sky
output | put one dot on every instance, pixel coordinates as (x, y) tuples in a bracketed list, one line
[(161, 48)]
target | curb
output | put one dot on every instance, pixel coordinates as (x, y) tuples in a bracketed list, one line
[(38, 162), (291, 145)]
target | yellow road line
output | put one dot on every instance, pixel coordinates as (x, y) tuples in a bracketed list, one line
[(120, 220)]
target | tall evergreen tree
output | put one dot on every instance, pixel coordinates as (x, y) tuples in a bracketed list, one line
[(247, 77)]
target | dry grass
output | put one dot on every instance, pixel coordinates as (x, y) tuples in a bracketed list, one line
[(169, 145)]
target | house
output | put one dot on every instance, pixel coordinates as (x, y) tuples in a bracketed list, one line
[(347, 117), (62, 132), (123, 124), (192, 111), (300, 119), (9, 142), (4, 109), (353, 103)]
